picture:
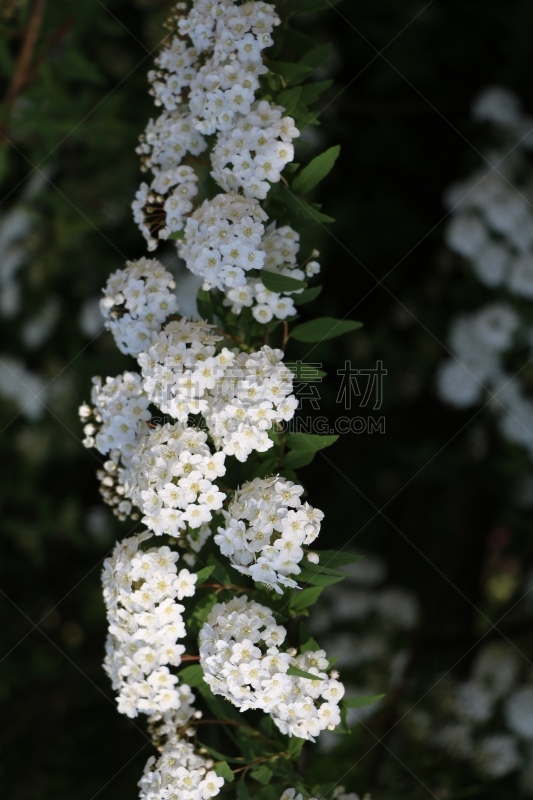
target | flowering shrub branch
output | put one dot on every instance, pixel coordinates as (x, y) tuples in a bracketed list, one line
[(225, 93)]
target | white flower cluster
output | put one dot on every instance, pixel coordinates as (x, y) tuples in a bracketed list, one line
[(492, 227), (222, 238), (240, 656), (145, 623), (253, 153), (281, 246), (241, 395), (137, 301), (171, 476), (206, 80), (233, 38), (266, 526), (179, 772), (119, 415)]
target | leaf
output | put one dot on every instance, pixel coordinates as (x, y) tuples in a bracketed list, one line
[(316, 170), (306, 640), (318, 578), (310, 442), (305, 598), (203, 574), (324, 569), (289, 99), (280, 283), (220, 756), (301, 209), (264, 468), (315, 57), (299, 673), (177, 236), (312, 91), (296, 459), (337, 558), (262, 775), (218, 570), (361, 702), (343, 727), (201, 611), (204, 305), (307, 295), (291, 73), (323, 328), (317, 5), (295, 746), (193, 675), (242, 790), (223, 770)]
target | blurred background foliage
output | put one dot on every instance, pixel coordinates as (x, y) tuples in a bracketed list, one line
[(435, 496)]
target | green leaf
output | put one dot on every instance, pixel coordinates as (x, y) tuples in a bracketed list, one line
[(204, 305), (264, 468), (220, 756), (242, 790), (305, 598), (307, 295), (218, 570), (319, 578), (291, 73), (177, 236), (361, 702), (296, 459), (343, 727), (201, 611), (306, 640), (312, 91), (316, 170), (280, 283), (223, 770), (315, 57), (323, 569), (317, 5), (295, 746), (310, 442), (193, 675), (323, 328), (204, 574), (275, 436), (262, 775), (337, 558), (305, 211), (299, 673), (289, 99)]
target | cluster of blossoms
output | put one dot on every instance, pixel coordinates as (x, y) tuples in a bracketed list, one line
[(206, 79), (137, 301), (119, 415), (242, 661), (205, 84), (180, 771), (240, 395), (171, 476), (145, 623), (222, 239), (258, 148), (281, 246), (492, 228), (266, 525)]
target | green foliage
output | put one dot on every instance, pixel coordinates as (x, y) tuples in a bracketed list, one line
[(323, 328), (223, 769), (311, 175), (280, 283), (300, 673)]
